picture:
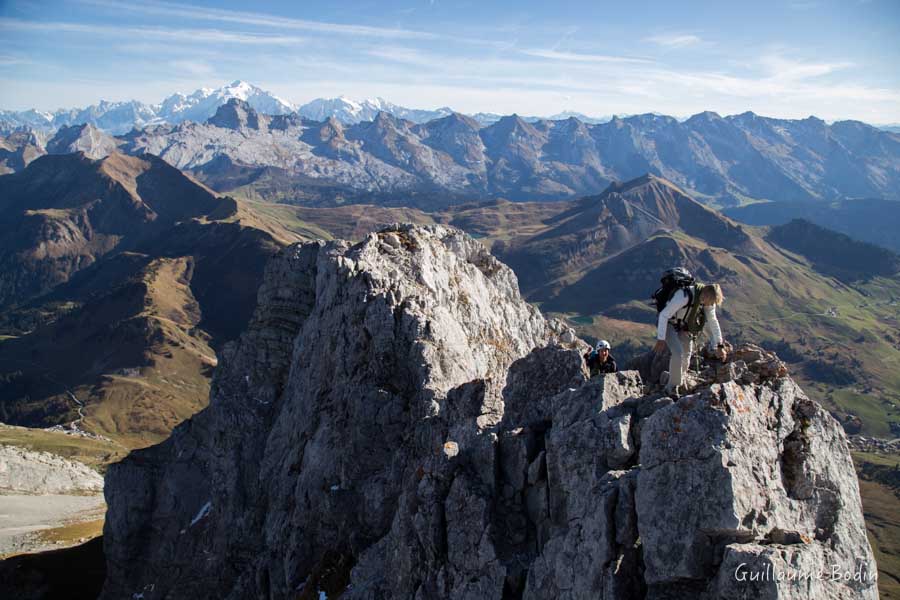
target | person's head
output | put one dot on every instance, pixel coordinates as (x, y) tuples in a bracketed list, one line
[(711, 295), (602, 349)]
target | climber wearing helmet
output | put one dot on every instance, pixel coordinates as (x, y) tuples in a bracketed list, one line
[(685, 309), (599, 360)]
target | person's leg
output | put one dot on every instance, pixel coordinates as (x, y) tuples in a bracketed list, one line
[(676, 360), (687, 345)]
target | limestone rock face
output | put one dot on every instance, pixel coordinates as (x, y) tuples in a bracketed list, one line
[(397, 422), (29, 472)]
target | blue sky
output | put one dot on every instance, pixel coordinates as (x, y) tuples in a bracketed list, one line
[(832, 59)]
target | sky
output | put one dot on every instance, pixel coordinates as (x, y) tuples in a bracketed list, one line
[(790, 59)]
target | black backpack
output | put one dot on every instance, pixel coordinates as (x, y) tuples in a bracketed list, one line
[(672, 280)]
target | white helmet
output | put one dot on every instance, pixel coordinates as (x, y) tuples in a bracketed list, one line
[(603, 344)]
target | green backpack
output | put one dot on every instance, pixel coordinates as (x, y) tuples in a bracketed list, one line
[(695, 319)]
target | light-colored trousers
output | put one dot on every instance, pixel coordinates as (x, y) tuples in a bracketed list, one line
[(681, 346)]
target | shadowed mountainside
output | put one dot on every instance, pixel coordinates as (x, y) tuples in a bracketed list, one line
[(63, 212), (835, 253), (126, 276), (868, 220)]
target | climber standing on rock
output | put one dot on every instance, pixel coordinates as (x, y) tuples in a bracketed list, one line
[(685, 309), (599, 360)]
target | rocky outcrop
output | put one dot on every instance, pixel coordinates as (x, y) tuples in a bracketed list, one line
[(87, 139), (27, 472), (238, 115), (864, 444), (397, 422)]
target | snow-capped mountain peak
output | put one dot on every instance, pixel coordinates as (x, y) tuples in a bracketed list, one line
[(203, 103), (121, 117), (350, 111)]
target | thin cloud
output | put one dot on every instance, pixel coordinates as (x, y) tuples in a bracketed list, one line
[(674, 40), (781, 68), (174, 51), (582, 58), (403, 55), (192, 67), (186, 35), (171, 9), (9, 60), (750, 88)]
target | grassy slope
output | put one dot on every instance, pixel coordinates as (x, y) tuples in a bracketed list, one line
[(135, 358), (881, 499), (128, 338), (142, 408)]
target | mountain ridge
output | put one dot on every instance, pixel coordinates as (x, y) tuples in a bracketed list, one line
[(199, 105), (721, 161)]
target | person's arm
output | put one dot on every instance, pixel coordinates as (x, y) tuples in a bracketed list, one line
[(678, 301), (611, 365), (712, 328), (714, 331)]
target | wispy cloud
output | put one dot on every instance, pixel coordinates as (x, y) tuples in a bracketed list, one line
[(403, 55), (171, 9), (790, 86), (582, 58), (674, 40), (184, 35), (782, 68), (164, 49), (9, 60), (192, 67)]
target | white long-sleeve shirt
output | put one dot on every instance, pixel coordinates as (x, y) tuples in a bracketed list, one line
[(677, 307)]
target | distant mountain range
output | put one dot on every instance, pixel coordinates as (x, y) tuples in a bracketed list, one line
[(722, 161), (121, 117)]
